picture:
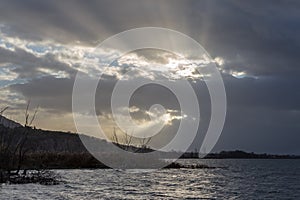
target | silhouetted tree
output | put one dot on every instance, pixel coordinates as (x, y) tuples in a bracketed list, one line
[(12, 144), (129, 142)]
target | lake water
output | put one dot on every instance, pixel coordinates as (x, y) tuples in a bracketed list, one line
[(237, 179)]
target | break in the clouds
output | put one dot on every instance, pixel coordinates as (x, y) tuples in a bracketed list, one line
[(255, 44)]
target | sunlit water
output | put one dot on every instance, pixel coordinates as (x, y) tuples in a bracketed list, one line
[(237, 179)]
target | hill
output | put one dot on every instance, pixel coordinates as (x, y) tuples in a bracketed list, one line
[(8, 123)]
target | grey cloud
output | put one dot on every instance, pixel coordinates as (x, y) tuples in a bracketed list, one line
[(28, 63), (263, 34), (275, 93), (56, 93), (53, 94)]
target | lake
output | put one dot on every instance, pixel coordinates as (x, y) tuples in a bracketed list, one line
[(233, 179)]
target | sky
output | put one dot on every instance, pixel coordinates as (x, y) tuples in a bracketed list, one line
[(255, 45)]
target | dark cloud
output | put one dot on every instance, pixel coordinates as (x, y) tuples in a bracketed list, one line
[(260, 38), (53, 94), (274, 93), (28, 64)]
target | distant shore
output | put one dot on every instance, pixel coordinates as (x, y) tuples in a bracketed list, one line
[(238, 154)]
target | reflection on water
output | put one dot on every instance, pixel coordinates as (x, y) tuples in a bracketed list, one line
[(235, 179)]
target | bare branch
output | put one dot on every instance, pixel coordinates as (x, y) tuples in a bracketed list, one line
[(115, 137), (3, 110), (34, 115), (145, 141), (26, 113), (130, 139)]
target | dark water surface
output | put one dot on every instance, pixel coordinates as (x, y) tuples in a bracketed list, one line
[(237, 179)]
